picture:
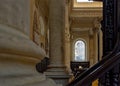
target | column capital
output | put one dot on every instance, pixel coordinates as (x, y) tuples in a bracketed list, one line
[(97, 23)]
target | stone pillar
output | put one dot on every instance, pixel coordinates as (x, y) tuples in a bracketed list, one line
[(67, 46), (91, 49), (100, 44), (56, 31), (97, 39), (57, 26), (95, 35), (12, 14), (18, 54), (95, 47)]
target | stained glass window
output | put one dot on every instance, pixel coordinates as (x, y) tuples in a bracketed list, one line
[(79, 50)]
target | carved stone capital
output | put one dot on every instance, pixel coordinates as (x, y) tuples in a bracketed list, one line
[(97, 23)]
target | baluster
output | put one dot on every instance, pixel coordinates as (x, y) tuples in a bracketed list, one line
[(107, 79), (109, 39), (115, 76)]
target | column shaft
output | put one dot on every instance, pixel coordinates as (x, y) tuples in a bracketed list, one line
[(56, 31)]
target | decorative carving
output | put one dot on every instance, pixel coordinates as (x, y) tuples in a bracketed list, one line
[(67, 35), (36, 37), (40, 18), (115, 79), (87, 13), (76, 16), (109, 40), (97, 23), (108, 22)]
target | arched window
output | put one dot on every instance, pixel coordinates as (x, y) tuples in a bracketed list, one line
[(79, 50)]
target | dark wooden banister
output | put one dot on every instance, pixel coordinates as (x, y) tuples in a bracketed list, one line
[(107, 63)]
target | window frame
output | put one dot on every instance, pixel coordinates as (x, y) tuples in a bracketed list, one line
[(73, 49)]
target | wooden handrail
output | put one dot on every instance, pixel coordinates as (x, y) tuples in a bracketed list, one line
[(100, 68)]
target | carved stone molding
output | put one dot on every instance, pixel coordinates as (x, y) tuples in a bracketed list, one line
[(67, 35), (86, 16), (86, 13), (97, 23), (91, 10), (86, 4)]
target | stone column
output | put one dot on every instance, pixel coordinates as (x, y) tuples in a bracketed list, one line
[(95, 47), (100, 44), (67, 46), (57, 26), (18, 54), (91, 49), (97, 38), (16, 16), (56, 19), (94, 41)]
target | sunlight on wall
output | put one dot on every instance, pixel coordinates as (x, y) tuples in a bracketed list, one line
[(84, 0)]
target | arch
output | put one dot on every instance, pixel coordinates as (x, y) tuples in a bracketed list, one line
[(79, 50)]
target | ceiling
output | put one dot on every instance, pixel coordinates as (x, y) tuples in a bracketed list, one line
[(84, 15)]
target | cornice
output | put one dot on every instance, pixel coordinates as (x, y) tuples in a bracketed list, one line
[(87, 12), (80, 29), (86, 9), (87, 4)]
